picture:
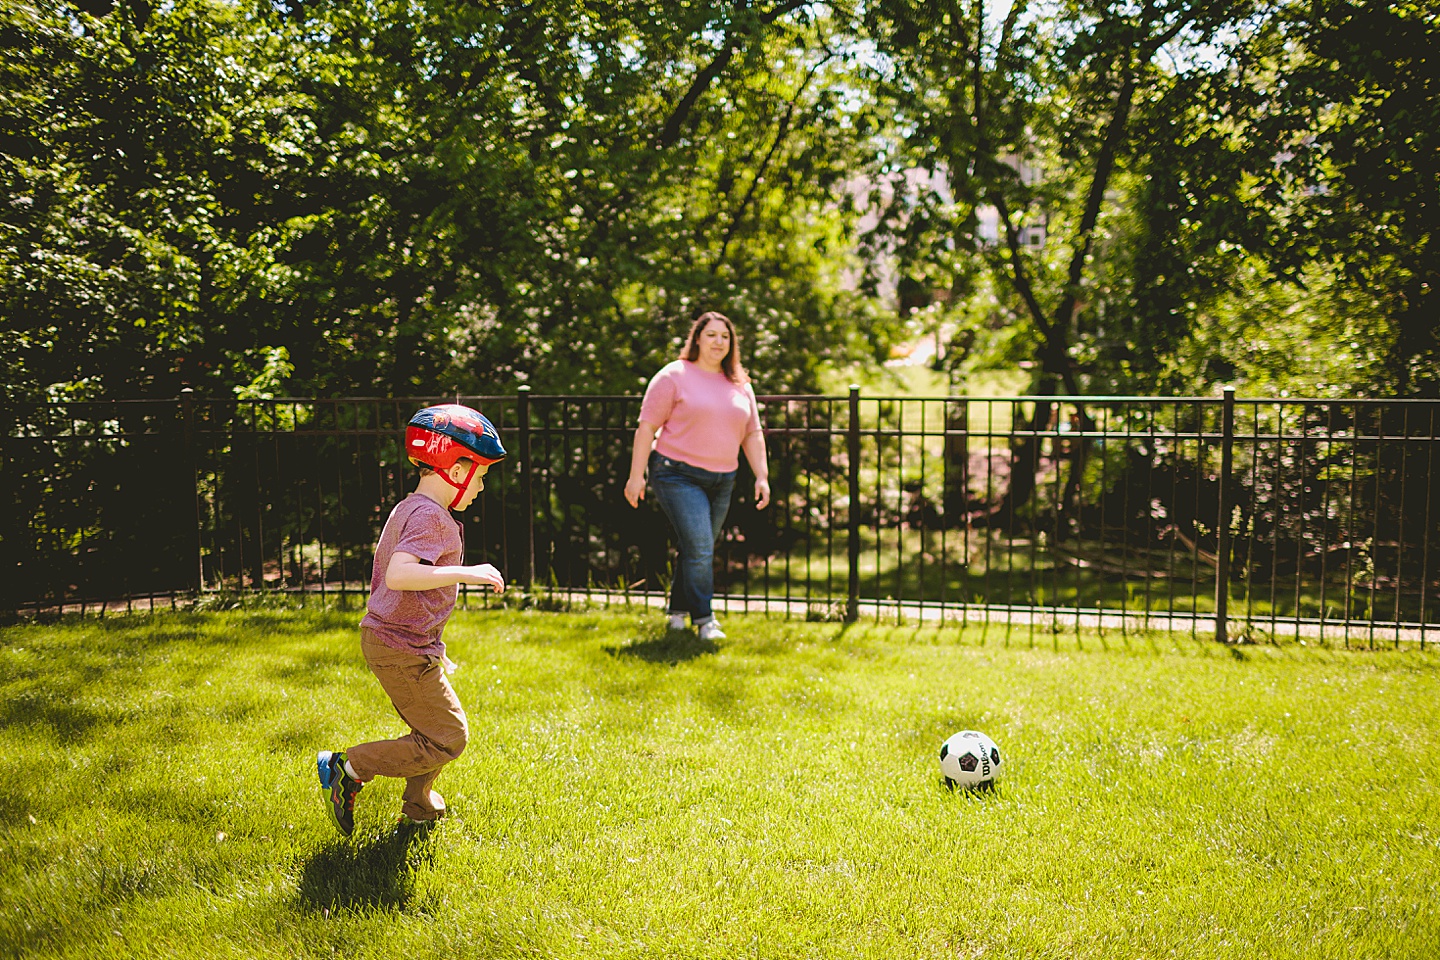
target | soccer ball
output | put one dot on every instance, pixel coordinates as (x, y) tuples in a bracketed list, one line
[(969, 759)]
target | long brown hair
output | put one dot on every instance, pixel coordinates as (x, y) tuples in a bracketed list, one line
[(732, 368)]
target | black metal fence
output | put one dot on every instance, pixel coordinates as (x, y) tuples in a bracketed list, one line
[(1238, 517)]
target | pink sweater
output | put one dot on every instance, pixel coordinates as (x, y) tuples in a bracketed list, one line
[(702, 417)]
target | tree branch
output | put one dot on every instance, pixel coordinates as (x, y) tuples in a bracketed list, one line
[(1104, 165), (670, 132), (780, 132)]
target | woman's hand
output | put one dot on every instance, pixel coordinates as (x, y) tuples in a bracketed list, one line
[(754, 447), (639, 457), (762, 493), (635, 490)]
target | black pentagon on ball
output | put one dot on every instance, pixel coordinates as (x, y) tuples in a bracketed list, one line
[(944, 750), (968, 762), (995, 756)]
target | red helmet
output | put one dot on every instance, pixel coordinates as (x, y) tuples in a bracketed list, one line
[(438, 436)]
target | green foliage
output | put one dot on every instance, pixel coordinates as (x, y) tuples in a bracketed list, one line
[(409, 200), (1358, 184), (1277, 237), (1199, 171), (1035, 122), (460, 197), (132, 177), (268, 382)]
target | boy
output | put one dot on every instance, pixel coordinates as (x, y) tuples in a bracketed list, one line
[(418, 563)]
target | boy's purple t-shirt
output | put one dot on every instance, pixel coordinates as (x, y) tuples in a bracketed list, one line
[(702, 416), (413, 620)]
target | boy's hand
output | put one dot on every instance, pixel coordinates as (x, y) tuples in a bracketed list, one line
[(485, 575)]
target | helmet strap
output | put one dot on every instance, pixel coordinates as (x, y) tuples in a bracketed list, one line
[(462, 485)]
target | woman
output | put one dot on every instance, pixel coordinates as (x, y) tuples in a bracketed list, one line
[(699, 412)]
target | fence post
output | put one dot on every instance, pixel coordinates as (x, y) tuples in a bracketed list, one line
[(852, 439), (1222, 520), (187, 415), (527, 491)]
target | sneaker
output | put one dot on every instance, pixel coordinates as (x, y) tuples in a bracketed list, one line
[(339, 789), (710, 630), (675, 622)]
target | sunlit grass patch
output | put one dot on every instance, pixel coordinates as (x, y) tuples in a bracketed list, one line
[(632, 793)]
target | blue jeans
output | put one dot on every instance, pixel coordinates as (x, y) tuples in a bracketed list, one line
[(696, 502)]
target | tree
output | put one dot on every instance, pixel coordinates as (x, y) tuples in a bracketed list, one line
[(1274, 232), (133, 165), (986, 105), (1067, 96), (1358, 185), (409, 200)]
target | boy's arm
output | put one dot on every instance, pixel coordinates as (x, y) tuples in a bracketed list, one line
[(407, 572)]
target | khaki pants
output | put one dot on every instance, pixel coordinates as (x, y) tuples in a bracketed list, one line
[(423, 697)]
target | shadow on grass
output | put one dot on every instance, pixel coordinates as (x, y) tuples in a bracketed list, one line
[(65, 723), (980, 793), (674, 647), (376, 872), (199, 626)]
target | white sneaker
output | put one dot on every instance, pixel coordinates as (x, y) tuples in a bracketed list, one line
[(676, 622), (710, 630)]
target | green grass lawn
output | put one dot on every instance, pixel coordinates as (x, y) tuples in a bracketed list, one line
[(629, 795)]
